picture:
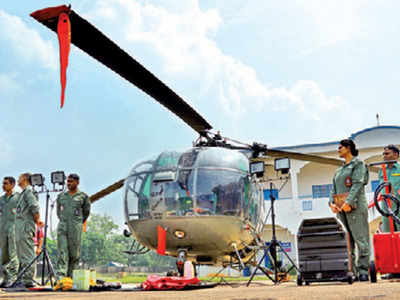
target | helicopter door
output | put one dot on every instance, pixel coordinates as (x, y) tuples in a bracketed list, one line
[(157, 200), (137, 194)]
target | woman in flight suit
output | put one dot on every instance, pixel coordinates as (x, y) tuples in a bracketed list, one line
[(348, 185)]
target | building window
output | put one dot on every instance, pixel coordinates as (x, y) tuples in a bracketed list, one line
[(374, 184), (307, 205), (321, 191), (275, 193)]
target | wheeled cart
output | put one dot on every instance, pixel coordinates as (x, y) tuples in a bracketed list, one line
[(386, 245), (322, 249)]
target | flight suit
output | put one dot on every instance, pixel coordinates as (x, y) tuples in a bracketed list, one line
[(72, 212), (9, 260), (351, 178), (27, 208), (393, 176)]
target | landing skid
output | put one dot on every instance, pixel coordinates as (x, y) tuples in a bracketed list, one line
[(136, 249)]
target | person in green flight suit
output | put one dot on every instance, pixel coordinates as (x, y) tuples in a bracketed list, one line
[(391, 152), (8, 210), (27, 215), (73, 209), (348, 183)]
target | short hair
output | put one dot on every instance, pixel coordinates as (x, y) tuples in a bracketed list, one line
[(27, 177), (10, 179), (74, 176), (393, 148)]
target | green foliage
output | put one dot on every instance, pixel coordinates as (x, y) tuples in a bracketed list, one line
[(52, 250), (102, 244), (155, 262), (102, 224), (129, 278)]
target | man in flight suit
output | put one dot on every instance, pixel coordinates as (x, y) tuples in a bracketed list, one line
[(8, 210), (391, 152), (26, 218), (73, 208)]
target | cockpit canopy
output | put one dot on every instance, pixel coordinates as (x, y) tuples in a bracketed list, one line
[(200, 181)]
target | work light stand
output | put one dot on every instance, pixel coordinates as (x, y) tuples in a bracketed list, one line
[(271, 250)]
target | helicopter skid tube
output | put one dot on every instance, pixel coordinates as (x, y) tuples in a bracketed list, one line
[(208, 239)]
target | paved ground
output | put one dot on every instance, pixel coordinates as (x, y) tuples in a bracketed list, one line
[(257, 291)]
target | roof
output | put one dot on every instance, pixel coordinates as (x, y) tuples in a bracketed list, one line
[(353, 136)]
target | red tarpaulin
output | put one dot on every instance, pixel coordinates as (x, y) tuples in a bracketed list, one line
[(155, 282)]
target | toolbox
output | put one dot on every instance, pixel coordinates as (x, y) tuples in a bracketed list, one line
[(322, 250), (387, 252)]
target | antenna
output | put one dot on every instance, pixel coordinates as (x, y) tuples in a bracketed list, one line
[(377, 120)]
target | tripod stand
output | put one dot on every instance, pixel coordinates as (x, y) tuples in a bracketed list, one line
[(271, 250), (44, 252)]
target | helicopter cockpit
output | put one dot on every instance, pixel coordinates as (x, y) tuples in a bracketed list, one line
[(197, 182)]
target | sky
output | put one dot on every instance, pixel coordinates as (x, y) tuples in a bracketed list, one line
[(275, 72)]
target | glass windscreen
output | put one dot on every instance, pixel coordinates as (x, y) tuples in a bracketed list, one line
[(197, 182), (219, 192)]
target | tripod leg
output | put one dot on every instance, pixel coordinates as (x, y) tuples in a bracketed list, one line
[(264, 270), (289, 258), (43, 266), (255, 270), (272, 254), (50, 270), (22, 272), (271, 249), (274, 259), (52, 274)]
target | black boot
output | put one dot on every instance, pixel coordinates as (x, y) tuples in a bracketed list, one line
[(363, 277)]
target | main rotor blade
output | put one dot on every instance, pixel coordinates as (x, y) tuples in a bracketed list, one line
[(306, 157), (311, 158), (108, 190), (89, 39)]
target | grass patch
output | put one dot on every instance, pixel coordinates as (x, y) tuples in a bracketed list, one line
[(128, 278)]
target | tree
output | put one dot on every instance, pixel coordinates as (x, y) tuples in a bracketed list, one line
[(97, 246), (102, 243), (51, 246)]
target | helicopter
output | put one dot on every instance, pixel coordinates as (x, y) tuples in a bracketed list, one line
[(201, 205)]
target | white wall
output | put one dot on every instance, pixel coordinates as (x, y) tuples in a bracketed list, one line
[(289, 214), (314, 174)]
